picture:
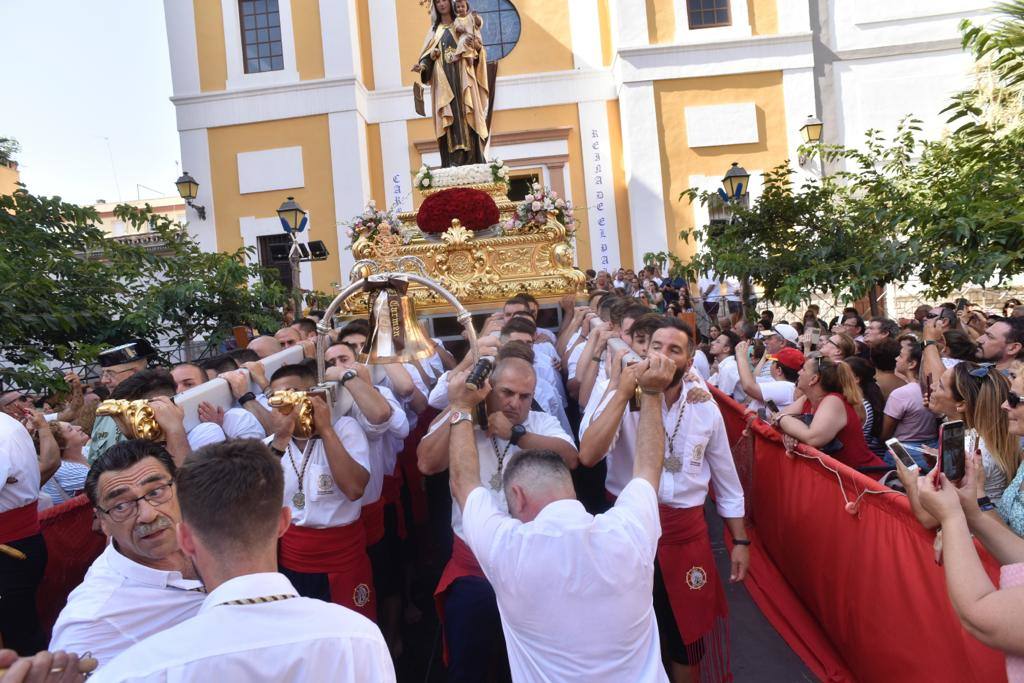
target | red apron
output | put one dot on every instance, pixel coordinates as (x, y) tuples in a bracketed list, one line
[(694, 589), (462, 563), (19, 523), (372, 517), (339, 552)]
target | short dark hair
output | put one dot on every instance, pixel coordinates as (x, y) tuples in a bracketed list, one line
[(884, 353), (358, 326), (647, 324), (748, 330), (1015, 335), (300, 370), (916, 349), (678, 324), (146, 382), (635, 311), (190, 365), (516, 349), (889, 326), (733, 338), (618, 309), (244, 356), (521, 324), (959, 345), (520, 299), (222, 363), (590, 273), (307, 325), (857, 319), (528, 298), (121, 456), (534, 457), (231, 493)]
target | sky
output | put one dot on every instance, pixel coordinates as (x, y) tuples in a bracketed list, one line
[(77, 76)]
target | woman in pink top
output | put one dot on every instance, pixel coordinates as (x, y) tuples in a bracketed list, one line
[(990, 614)]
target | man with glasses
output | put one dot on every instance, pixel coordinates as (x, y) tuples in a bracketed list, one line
[(17, 404), (142, 583), (118, 364)]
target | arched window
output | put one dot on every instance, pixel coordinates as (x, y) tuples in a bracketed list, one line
[(501, 26)]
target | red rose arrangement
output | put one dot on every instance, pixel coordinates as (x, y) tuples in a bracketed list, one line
[(474, 208)]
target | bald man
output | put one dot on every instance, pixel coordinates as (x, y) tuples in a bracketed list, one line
[(264, 346), (465, 598)]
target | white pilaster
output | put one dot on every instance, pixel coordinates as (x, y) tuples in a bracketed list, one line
[(600, 186), (181, 44), (394, 147), (339, 36), (798, 95), (629, 23), (349, 160), (195, 158), (642, 161), (585, 29), (794, 17), (387, 70)]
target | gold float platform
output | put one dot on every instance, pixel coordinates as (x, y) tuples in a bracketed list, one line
[(481, 271)]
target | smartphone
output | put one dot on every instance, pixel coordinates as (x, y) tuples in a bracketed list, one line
[(771, 405), (952, 453), (900, 452), (815, 337), (927, 387)]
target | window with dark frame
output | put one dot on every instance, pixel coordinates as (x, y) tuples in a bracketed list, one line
[(261, 35), (273, 253), (708, 13), (520, 185), (502, 26)]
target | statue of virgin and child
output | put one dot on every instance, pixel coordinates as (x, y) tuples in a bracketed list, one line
[(454, 63)]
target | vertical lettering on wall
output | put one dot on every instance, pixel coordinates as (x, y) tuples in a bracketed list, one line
[(597, 162)]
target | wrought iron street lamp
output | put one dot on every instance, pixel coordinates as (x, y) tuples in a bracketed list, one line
[(188, 188), (293, 221)]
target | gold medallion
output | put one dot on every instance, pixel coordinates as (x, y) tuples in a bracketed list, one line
[(299, 500), (673, 464)]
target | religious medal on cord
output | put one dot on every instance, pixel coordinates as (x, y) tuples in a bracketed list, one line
[(299, 498)]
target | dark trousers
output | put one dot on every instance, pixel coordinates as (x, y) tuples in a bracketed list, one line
[(19, 580), (711, 308), (472, 630)]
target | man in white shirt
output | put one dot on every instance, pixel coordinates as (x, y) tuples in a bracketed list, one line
[(688, 596), (142, 583), (252, 625), (784, 367), (466, 600), (237, 423), (21, 473), (323, 552), (554, 566), (727, 376), (710, 287)]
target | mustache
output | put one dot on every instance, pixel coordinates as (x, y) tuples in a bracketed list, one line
[(157, 525)]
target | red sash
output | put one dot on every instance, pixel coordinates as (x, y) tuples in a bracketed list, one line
[(372, 517), (19, 523), (462, 563), (339, 552)]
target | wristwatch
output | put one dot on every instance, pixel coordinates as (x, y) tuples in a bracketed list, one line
[(985, 504), (246, 397), (349, 375), (518, 432), (459, 416), (930, 342)]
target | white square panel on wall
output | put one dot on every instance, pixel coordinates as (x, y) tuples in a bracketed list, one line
[(270, 169), (721, 124)]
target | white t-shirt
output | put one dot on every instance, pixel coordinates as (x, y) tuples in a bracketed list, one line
[(325, 505), (535, 423), (294, 639), (728, 379), (19, 465), (779, 391), (573, 589), (239, 423), (121, 602), (381, 440)]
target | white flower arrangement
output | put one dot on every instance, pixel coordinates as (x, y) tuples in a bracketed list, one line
[(424, 178), (499, 172), (535, 207), (372, 222), (455, 176)]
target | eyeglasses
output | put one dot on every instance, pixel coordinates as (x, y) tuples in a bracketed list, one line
[(110, 374), (127, 509), (1013, 399)]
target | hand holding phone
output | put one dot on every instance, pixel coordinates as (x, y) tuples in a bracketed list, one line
[(901, 454), (952, 454)]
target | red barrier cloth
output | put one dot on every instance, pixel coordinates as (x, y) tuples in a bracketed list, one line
[(858, 596), (71, 546), (339, 552), (19, 523)]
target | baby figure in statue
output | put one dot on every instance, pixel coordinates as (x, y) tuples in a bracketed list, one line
[(467, 31)]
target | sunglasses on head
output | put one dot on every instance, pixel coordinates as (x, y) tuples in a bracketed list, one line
[(981, 370), (1013, 399)]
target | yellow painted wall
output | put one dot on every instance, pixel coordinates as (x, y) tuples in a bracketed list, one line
[(679, 161), (619, 182), (309, 53), (545, 43), (375, 165), (764, 16), (317, 197), (366, 38), (211, 53), (605, 20), (9, 179), (661, 21), (566, 115)]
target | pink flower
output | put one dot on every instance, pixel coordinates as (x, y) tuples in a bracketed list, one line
[(528, 198), (536, 206), (554, 195)]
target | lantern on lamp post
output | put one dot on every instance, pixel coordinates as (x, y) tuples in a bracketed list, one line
[(188, 188), (293, 221), (734, 192), (811, 132)]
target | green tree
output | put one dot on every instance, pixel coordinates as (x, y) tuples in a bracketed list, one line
[(8, 148)]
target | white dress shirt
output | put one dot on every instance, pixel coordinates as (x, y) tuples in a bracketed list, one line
[(728, 379), (536, 423), (239, 423), (573, 590), (702, 445), (204, 434), (779, 391), (701, 365), (121, 602), (547, 334), (19, 465), (295, 639), (325, 505), (381, 440), (574, 360)]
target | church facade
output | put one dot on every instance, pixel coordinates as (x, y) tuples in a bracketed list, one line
[(619, 105)]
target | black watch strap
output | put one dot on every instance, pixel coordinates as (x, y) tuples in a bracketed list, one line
[(738, 541), (246, 397), (518, 432), (986, 504)]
